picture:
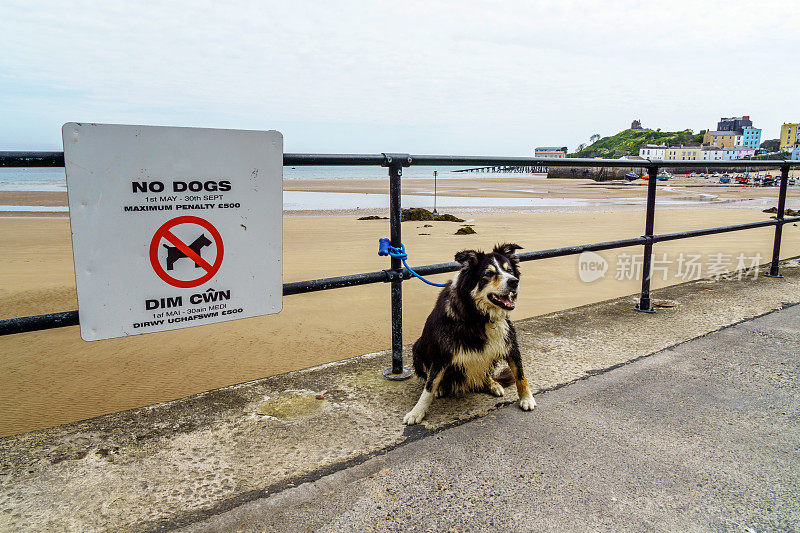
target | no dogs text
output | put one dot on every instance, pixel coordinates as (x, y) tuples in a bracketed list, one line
[(181, 186)]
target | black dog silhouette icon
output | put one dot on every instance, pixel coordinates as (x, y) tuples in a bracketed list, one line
[(174, 253)]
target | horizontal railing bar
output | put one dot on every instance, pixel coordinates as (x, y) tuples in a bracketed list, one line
[(10, 326), (574, 250), (483, 161), (769, 163), (722, 229), (323, 284), (442, 268), (479, 161), (56, 159), (333, 159), (31, 159), (24, 324)]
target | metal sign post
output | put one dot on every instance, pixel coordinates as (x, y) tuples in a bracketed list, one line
[(435, 173)]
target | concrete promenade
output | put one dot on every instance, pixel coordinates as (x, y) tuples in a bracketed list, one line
[(603, 448), (704, 436)]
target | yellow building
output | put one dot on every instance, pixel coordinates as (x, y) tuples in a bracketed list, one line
[(788, 137), (676, 153), (720, 139)]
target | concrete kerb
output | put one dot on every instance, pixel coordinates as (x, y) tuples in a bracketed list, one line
[(171, 464)]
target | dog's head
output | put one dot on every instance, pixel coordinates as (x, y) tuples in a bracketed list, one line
[(491, 279), (202, 241)]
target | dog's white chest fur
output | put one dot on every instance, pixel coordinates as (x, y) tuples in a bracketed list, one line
[(476, 364)]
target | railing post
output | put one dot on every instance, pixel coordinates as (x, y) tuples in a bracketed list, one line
[(396, 162), (774, 269), (644, 297)]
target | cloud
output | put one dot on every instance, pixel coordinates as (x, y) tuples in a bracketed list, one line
[(465, 77)]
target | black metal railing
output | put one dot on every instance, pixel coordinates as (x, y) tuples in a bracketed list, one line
[(396, 274)]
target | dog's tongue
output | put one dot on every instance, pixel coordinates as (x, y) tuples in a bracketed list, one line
[(506, 300)]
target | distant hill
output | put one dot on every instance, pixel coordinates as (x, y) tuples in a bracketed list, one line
[(631, 140)]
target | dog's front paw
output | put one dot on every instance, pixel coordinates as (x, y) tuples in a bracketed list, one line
[(413, 417), (527, 403), (496, 389)]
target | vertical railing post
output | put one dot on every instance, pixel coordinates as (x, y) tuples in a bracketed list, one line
[(396, 162), (774, 269), (644, 298)]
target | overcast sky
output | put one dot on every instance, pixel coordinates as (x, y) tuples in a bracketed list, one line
[(463, 77)]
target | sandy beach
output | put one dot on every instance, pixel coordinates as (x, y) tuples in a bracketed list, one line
[(52, 377)]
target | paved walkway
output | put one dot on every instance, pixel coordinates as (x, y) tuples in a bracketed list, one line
[(702, 436)]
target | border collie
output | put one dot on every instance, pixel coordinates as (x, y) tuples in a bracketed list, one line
[(468, 332)]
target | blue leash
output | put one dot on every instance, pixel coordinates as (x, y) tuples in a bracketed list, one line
[(400, 253)]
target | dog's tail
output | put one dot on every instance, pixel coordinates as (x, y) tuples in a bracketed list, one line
[(504, 377), (167, 247)]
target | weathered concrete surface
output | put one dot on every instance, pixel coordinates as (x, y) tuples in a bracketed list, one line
[(703, 436), (174, 463)]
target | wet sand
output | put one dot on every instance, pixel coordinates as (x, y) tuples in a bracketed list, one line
[(52, 377), (483, 185), (525, 185)]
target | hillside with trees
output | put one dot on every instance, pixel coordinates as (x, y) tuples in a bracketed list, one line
[(773, 145), (629, 141)]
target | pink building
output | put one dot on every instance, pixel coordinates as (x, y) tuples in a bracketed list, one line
[(551, 151), (737, 152)]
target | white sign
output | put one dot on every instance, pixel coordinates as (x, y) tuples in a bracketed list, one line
[(173, 227)]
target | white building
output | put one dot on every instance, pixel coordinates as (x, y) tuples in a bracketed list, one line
[(711, 153), (653, 151)]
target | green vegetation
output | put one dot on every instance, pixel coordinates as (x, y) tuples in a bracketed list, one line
[(771, 144), (776, 155), (418, 213), (631, 140)]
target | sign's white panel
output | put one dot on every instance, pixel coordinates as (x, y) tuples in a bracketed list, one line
[(173, 227)]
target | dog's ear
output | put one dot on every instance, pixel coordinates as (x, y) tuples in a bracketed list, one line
[(507, 249), (467, 257)]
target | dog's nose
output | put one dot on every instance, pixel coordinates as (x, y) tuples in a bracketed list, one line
[(513, 283)]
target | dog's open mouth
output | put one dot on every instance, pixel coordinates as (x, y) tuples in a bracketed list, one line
[(506, 301)]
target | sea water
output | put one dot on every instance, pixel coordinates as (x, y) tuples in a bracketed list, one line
[(54, 179), (32, 179)]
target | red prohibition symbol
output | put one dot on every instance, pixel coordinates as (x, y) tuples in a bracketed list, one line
[(180, 249)]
